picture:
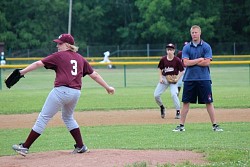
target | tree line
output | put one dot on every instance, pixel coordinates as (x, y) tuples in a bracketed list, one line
[(35, 23)]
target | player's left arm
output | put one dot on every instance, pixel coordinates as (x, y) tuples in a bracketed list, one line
[(96, 77), (207, 57), (205, 62)]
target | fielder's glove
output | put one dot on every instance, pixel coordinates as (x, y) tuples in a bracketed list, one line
[(172, 79), (13, 78)]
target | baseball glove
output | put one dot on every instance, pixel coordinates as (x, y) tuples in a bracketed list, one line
[(13, 78), (172, 79)]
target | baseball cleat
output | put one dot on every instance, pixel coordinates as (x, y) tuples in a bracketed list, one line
[(177, 116), (20, 149), (216, 128), (84, 149), (163, 112), (179, 129)]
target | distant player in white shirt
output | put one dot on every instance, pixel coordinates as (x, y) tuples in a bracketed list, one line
[(106, 59)]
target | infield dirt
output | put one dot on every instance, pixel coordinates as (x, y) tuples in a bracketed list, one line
[(111, 157)]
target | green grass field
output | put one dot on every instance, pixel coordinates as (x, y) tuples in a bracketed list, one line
[(231, 89)]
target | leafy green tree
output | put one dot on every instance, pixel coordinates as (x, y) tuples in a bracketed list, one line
[(246, 19), (170, 20), (100, 22), (31, 24), (234, 21)]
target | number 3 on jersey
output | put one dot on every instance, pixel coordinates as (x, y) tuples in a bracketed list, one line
[(74, 67)]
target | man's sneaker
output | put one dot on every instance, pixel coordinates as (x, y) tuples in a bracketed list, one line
[(179, 129), (20, 149), (177, 116), (216, 128), (163, 112), (80, 150)]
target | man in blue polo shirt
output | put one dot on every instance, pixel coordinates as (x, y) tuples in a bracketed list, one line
[(196, 56)]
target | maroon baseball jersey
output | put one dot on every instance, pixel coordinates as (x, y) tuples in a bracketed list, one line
[(69, 66), (170, 67)]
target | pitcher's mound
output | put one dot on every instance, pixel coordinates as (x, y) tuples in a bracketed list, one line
[(103, 158)]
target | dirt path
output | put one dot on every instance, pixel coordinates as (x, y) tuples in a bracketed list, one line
[(119, 158), (92, 118)]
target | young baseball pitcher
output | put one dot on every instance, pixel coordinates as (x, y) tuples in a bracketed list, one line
[(69, 67)]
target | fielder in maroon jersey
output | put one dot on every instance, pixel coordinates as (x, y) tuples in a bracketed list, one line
[(168, 65)]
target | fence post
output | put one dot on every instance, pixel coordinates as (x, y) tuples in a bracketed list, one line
[(118, 50), (125, 79), (148, 50), (0, 78), (87, 51), (234, 49)]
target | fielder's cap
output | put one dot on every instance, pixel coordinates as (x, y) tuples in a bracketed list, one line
[(170, 45), (65, 38)]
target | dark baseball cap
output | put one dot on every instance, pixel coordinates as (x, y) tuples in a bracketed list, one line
[(65, 38), (170, 45)]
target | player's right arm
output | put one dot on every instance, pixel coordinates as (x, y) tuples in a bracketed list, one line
[(32, 67)]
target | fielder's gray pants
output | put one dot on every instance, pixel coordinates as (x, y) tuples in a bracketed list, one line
[(161, 88)]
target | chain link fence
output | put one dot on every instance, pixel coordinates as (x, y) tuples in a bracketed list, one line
[(149, 50)]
